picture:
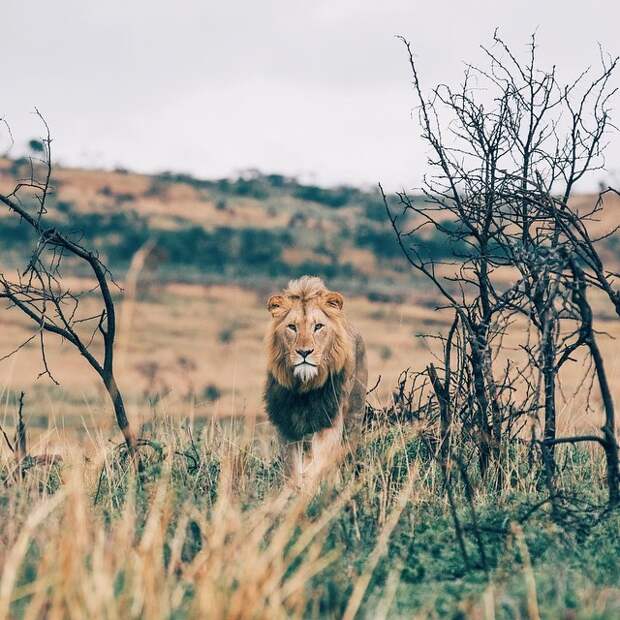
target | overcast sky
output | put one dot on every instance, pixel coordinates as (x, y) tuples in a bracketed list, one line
[(318, 88)]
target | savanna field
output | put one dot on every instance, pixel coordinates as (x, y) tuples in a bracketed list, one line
[(209, 527)]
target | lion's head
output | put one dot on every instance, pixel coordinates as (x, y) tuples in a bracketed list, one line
[(307, 338)]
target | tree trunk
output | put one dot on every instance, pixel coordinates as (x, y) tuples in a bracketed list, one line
[(549, 431), (121, 414), (484, 443), (609, 429)]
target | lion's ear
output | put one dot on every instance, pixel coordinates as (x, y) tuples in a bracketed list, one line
[(275, 305), (334, 300)]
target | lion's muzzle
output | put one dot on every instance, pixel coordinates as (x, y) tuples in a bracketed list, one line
[(305, 371)]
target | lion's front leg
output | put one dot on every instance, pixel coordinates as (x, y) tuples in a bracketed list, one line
[(303, 465), (292, 456), (326, 449)]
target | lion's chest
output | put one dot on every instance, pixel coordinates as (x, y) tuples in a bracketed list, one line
[(297, 414)]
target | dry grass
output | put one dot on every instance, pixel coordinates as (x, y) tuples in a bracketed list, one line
[(221, 535)]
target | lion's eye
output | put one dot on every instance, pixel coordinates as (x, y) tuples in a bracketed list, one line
[(318, 326), (292, 327)]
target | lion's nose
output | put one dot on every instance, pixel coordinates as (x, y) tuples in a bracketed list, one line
[(304, 352)]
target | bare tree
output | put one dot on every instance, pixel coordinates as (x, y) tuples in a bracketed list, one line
[(508, 149), (39, 292)]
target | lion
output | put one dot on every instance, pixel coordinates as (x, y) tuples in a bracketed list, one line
[(317, 375)]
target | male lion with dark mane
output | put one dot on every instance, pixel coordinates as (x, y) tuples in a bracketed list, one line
[(316, 376)]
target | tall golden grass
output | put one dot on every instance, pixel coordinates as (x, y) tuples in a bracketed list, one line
[(241, 571), (220, 533)]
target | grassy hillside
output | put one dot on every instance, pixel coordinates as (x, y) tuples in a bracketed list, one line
[(251, 230), (256, 227)]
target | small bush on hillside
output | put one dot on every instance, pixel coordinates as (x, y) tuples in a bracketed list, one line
[(252, 188), (337, 197), (36, 146), (380, 240), (211, 393), (64, 206)]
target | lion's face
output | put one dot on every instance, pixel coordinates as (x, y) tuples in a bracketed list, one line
[(307, 337), (306, 332)]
